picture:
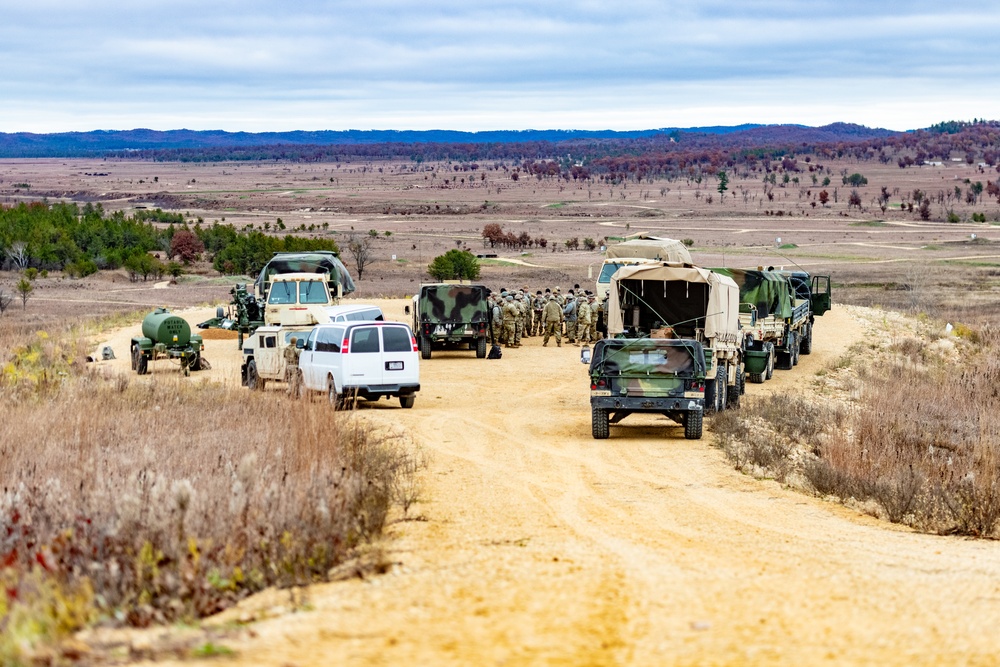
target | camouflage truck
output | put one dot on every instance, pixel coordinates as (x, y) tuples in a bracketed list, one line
[(293, 289), (647, 375), (685, 302), (450, 314)]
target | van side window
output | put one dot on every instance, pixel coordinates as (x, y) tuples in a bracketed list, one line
[(311, 341), (396, 339), (329, 340), (364, 339)]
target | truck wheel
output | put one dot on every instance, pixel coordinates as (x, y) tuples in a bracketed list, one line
[(425, 347), (806, 347), (715, 391), (599, 423), (693, 425), (735, 391), (481, 348), (769, 373), (794, 351), (254, 381), (141, 364), (407, 401)]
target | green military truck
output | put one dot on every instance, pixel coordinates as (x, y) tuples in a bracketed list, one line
[(681, 301), (451, 315), (166, 336), (647, 375)]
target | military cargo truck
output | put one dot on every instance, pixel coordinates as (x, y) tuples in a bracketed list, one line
[(166, 336), (293, 289), (450, 314), (685, 302), (661, 376), (642, 248), (815, 291)]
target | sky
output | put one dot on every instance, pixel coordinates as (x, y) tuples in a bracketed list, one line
[(255, 65)]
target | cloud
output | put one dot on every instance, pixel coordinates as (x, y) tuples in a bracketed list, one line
[(259, 65)]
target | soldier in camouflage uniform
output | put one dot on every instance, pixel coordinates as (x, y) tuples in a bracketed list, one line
[(583, 320), (537, 305), (292, 376), (518, 320), (509, 320), (570, 315), (552, 315), (595, 315), (496, 324)]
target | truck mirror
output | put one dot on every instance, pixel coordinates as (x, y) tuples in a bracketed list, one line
[(585, 355)]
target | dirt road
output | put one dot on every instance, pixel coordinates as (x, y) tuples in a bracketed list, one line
[(540, 545)]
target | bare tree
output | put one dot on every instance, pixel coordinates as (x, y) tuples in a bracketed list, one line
[(362, 249), (17, 253), (5, 300)]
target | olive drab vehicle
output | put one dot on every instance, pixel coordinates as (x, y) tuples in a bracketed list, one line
[(450, 314), (293, 289), (166, 336), (685, 302), (647, 375)]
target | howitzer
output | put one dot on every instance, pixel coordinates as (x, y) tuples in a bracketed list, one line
[(166, 336)]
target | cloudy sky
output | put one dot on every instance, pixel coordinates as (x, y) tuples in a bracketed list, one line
[(256, 65)]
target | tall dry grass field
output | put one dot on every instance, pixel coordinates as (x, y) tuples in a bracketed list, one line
[(139, 502)]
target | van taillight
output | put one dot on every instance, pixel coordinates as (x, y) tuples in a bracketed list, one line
[(414, 341), (343, 347)]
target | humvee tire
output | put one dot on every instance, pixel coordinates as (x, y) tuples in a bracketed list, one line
[(693, 421), (599, 423), (481, 348), (254, 381), (425, 347)]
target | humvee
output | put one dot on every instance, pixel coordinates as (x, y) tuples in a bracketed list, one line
[(658, 375), (451, 314)]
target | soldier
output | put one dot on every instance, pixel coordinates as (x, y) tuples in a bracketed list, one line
[(291, 354), (595, 315), (552, 315), (519, 319), (537, 305), (509, 320), (583, 319), (570, 314), (496, 319)]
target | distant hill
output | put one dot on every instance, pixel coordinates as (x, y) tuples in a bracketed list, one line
[(104, 142)]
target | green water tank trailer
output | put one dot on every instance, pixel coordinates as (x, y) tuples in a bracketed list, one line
[(162, 326)]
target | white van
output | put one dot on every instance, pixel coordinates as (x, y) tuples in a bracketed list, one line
[(354, 312), (369, 360)]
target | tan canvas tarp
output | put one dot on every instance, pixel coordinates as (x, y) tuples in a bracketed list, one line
[(650, 247), (722, 312)]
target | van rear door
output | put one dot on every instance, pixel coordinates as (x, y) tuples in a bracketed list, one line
[(400, 360), (364, 363)]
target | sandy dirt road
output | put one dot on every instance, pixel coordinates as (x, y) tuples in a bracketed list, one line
[(540, 545)]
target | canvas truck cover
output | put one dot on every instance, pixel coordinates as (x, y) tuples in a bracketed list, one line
[(307, 262), (645, 246), (768, 291), (454, 304), (675, 294)]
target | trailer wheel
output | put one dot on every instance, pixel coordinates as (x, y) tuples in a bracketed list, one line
[(693, 421), (142, 363), (135, 357), (756, 378), (481, 348), (195, 363), (599, 423), (254, 381), (425, 347)]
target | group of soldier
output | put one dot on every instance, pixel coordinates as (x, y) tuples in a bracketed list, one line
[(517, 314)]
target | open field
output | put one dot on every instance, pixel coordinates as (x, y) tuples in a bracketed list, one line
[(536, 544)]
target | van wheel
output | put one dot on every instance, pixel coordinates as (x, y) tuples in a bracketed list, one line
[(331, 394), (407, 401), (481, 348), (425, 347), (254, 381)]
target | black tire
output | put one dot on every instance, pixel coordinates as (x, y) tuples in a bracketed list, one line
[(769, 373), (715, 391), (806, 347), (736, 390), (135, 357), (756, 378), (254, 381), (407, 401), (693, 421), (195, 363), (481, 348), (425, 347), (141, 364), (599, 423), (794, 351), (331, 395)]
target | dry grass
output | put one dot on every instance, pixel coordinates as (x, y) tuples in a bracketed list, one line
[(149, 502)]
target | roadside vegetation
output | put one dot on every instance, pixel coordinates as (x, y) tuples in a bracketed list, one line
[(907, 430), (132, 503)]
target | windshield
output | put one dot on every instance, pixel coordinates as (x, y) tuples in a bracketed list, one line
[(608, 271), (313, 291), (282, 292)]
